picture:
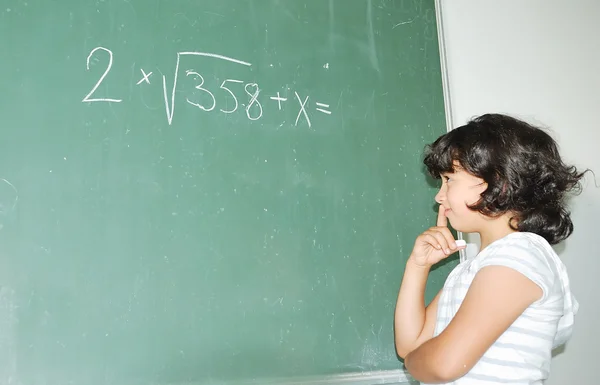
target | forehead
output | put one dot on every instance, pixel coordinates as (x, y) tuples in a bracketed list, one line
[(459, 170)]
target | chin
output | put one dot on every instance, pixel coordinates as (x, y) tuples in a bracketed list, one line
[(461, 228)]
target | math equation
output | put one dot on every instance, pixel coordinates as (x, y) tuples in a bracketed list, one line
[(236, 94)]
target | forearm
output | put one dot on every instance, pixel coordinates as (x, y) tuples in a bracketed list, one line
[(424, 365), (409, 318)]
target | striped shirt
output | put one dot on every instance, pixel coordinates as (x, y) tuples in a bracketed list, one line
[(522, 354)]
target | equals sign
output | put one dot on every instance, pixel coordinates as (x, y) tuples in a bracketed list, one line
[(321, 107)]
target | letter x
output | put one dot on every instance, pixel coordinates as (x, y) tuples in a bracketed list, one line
[(146, 77), (302, 109)]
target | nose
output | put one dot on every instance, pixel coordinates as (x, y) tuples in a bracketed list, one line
[(441, 195)]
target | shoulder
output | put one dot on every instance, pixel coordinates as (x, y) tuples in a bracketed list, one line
[(523, 246), (528, 254)]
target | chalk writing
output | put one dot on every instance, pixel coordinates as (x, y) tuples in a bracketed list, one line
[(199, 87), (278, 99), (206, 98), (231, 93), (253, 100), (322, 108), (145, 77), (108, 67), (302, 109)]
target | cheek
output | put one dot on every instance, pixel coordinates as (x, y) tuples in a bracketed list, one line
[(471, 198), (460, 198)]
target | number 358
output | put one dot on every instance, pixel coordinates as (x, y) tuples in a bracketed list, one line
[(251, 90)]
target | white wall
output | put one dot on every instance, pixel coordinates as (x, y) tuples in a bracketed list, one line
[(540, 60)]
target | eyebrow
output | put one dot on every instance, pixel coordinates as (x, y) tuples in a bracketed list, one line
[(449, 172)]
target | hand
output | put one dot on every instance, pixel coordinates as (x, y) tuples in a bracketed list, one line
[(434, 244)]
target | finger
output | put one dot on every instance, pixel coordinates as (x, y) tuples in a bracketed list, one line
[(445, 231), (441, 218), (441, 240), (431, 240)]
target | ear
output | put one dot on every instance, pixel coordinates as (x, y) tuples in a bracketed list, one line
[(513, 221), (482, 187)]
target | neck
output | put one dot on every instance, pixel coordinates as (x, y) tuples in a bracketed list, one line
[(496, 230)]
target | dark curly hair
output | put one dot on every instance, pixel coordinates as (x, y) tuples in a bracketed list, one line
[(520, 164)]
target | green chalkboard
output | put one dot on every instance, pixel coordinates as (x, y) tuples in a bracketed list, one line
[(198, 191)]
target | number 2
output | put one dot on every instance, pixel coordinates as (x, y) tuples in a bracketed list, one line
[(110, 61)]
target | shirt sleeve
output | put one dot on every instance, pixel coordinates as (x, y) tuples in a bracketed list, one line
[(527, 259)]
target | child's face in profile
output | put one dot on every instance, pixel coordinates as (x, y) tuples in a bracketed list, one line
[(459, 189)]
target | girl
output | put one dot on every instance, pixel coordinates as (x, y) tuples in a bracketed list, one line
[(499, 314)]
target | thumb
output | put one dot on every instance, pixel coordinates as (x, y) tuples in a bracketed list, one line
[(442, 221)]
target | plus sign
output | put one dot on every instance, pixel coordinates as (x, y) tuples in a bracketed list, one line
[(278, 99)]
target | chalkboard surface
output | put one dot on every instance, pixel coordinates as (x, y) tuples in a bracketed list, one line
[(198, 191)]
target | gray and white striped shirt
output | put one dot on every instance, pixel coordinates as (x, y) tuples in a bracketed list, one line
[(522, 354)]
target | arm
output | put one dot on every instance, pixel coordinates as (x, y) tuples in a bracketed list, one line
[(413, 322), (497, 297)]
